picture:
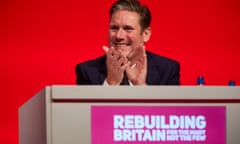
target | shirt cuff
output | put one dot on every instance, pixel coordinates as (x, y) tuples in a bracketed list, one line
[(105, 83)]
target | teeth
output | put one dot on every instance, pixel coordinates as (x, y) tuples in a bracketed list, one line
[(121, 45)]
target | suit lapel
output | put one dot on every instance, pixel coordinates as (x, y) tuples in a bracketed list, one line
[(152, 72), (102, 70)]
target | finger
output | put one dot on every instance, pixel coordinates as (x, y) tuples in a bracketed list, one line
[(125, 65), (111, 52), (133, 65), (105, 48), (121, 62), (137, 52), (108, 51), (144, 50), (115, 59), (143, 61)]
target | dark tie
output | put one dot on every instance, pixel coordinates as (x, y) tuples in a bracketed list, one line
[(124, 80)]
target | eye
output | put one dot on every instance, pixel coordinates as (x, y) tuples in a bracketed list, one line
[(128, 28), (114, 27)]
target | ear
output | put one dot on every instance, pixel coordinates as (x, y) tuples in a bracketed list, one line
[(147, 34)]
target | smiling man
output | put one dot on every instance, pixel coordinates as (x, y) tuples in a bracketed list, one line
[(126, 60)]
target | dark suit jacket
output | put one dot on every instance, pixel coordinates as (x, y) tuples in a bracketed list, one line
[(160, 71)]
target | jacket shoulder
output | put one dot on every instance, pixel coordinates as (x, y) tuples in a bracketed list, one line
[(93, 62), (91, 71), (161, 59)]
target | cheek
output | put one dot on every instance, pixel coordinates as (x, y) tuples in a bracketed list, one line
[(136, 41), (135, 37), (110, 37)]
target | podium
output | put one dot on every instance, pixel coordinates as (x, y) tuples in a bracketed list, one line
[(63, 114)]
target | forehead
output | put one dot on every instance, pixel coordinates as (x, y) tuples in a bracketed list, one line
[(124, 17)]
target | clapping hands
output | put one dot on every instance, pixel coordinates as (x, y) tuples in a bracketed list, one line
[(135, 65)]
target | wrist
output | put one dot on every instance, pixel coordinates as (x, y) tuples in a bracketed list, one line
[(112, 82), (140, 83)]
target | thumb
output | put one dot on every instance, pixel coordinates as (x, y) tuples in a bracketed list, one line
[(105, 48)]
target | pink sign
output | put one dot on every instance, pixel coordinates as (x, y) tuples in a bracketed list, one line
[(158, 124)]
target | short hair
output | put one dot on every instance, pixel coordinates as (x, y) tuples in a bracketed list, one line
[(133, 6)]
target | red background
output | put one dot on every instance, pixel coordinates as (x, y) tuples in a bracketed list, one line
[(42, 41)]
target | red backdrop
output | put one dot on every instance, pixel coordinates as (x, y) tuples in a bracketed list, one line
[(42, 41)]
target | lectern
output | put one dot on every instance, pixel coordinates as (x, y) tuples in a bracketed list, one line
[(123, 114)]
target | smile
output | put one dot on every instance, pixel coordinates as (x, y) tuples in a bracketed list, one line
[(121, 44)]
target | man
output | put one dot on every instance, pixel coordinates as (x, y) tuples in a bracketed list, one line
[(126, 57)]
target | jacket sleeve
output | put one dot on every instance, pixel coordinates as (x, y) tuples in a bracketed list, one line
[(81, 75), (174, 78)]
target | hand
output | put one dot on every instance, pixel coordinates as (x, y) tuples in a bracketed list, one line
[(116, 65), (137, 70)]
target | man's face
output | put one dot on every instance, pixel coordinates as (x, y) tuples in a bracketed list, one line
[(125, 32)]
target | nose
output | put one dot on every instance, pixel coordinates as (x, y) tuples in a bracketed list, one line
[(120, 34)]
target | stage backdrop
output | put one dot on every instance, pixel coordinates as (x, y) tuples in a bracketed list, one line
[(42, 41)]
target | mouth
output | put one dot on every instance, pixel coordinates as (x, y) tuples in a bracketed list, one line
[(121, 45)]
